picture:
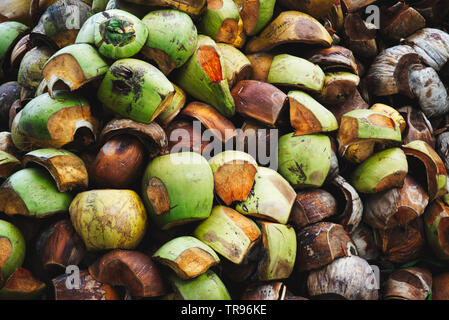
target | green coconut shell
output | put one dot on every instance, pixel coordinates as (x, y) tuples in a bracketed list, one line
[(436, 224), (382, 171), (220, 21), (116, 33), (178, 188), (279, 251), (136, 90), (75, 65), (304, 160), (67, 169), (291, 71), (255, 14), (32, 192), (61, 22), (30, 70), (271, 198), (203, 76), (187, 256), (168, 47), (8, 164), (48, 122), (207, 286), (228, 233), (109, 219), (308, 115), (9, 34)]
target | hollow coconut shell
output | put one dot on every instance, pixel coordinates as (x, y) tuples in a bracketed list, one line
[(10, 31), (21, 285), (311, 206), (338, 87), (66, 168), (396, 206), (350, 278), (217, 124), (131, 269), (32, 192), (435, 169), (53, 122), (151, 135), (187, 256)]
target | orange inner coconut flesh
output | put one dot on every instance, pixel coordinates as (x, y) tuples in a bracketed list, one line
[(210, 63), (233, 181)]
